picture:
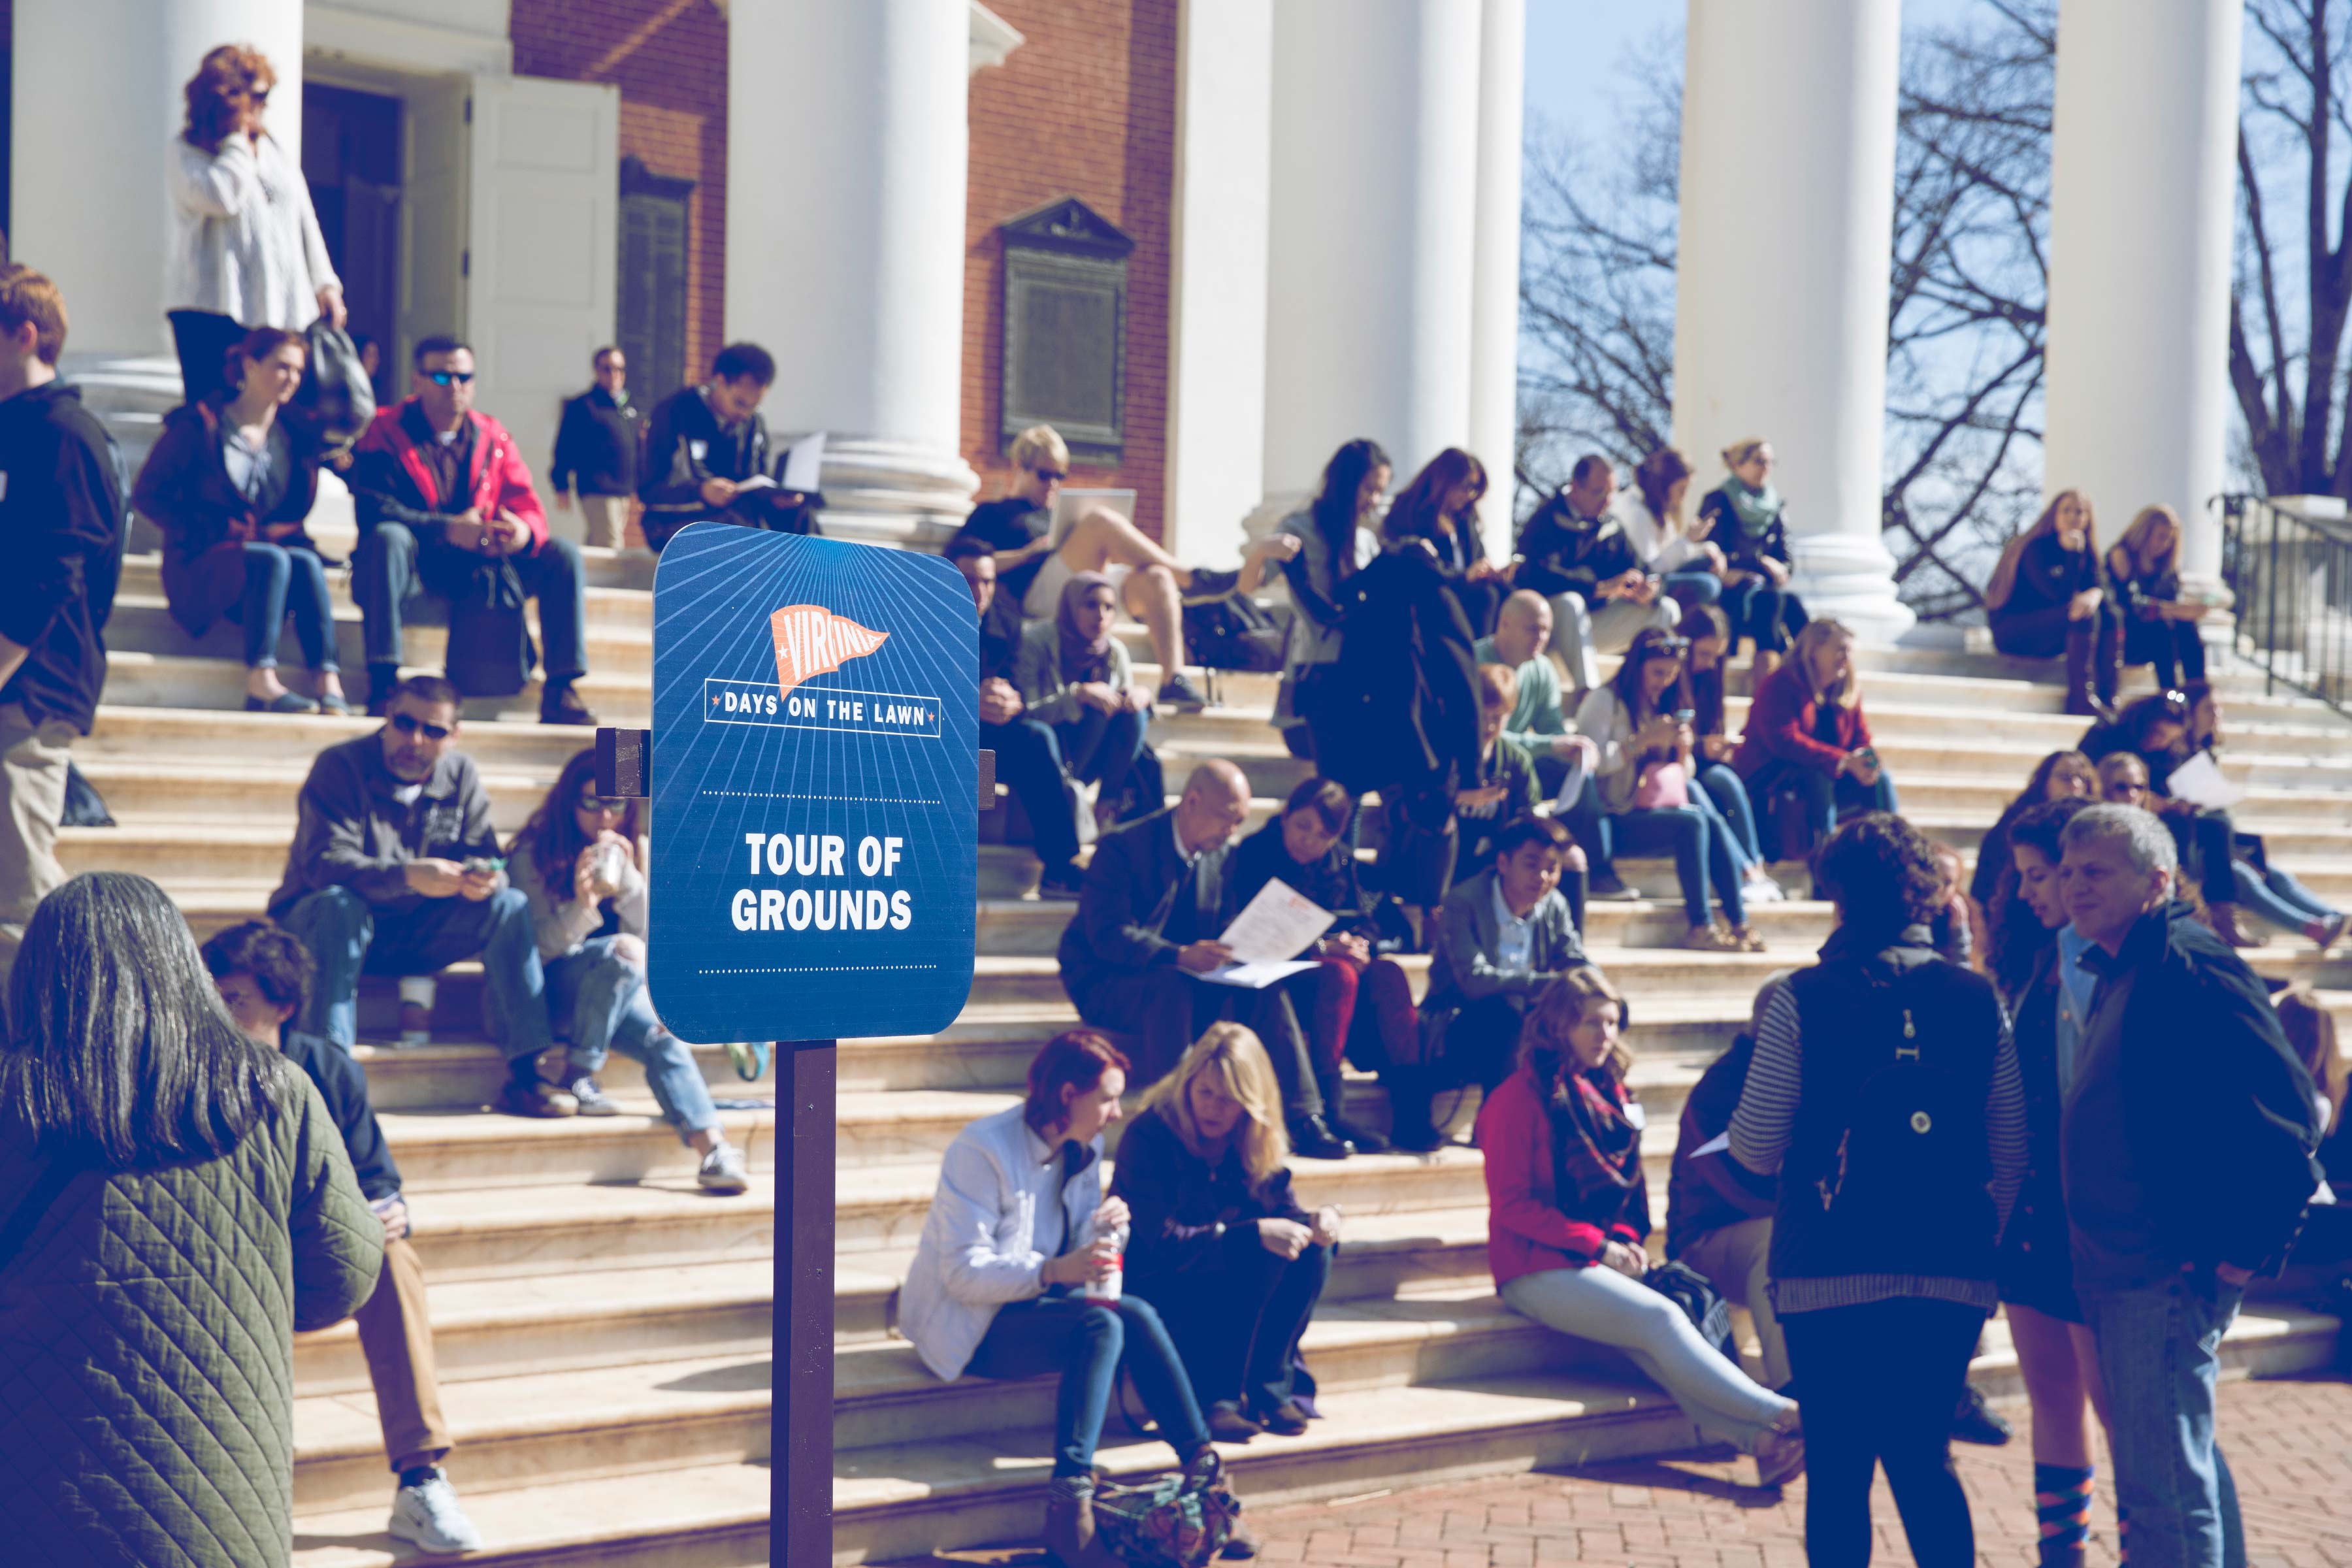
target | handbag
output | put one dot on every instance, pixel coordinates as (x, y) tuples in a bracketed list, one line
[(1663, 788), (1172, 1522), (1232, 633), (490, 652), (336, 400), (1709, 1313)]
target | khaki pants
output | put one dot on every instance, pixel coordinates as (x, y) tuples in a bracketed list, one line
[(398, 1340), (607, 520), (1736, 1262), (32, 760)]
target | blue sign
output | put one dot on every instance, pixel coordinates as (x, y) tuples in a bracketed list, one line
[(815, 780)]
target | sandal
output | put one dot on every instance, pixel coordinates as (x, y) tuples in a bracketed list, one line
[(1748, 940), (1710, 939)]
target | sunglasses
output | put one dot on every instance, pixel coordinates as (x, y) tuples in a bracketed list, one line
[(410, 724), (598, 803), (448, 377), (1052, 476)]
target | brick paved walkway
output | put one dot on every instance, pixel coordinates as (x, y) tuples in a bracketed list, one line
[(2289, 1445)]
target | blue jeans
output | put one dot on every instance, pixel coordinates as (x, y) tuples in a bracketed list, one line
[(1825, 798), (1689, 833), (599, 1002), (1720, 790), (348, 937), (1771, 615), (390, 568), (2277, 897), (272, 572), (1102, 748), (2159, 1353), (1088, 1343)]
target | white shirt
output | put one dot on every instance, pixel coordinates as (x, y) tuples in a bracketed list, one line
[(1662, 546), (245, 239), (1515, 938)]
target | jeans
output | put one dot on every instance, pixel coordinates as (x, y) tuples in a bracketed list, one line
[(1688, 588), (1689, 834), (390, 568), (2276, 897), (1737, 1260), (1088, 1343), (1029, 760), (1603, 1306), (271, 571), (1879, 1383), (2159, 1355), (598, 1000), (1102, 748), (348, 937), (1771, 615), (2172, 647), (1721, 791), (1579, 635), (1235, 1322), (1585, 821), (1825, 798)]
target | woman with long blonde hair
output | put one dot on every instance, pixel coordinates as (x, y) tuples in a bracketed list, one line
[(2045, 599), (1806, 735), (2159, 627), (1231, 1259), (1569, 1212)]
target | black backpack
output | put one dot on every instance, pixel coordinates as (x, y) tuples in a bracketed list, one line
[(490, 652), (1232, 633)]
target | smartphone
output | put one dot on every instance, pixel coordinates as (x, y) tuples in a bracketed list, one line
[(1868, 755), (477, 865), (1684, 715)]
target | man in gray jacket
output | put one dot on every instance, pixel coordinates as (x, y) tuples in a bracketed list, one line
[(395, 870)]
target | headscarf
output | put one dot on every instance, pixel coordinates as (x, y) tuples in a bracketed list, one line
[(1082, 660)]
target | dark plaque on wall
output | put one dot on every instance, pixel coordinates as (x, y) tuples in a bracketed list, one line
[(1065, 344)]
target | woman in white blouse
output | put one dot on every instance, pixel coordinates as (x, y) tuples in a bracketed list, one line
[(1690, 565), (245, 246)]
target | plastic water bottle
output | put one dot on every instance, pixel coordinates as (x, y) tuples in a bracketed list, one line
[(1111, 1285)]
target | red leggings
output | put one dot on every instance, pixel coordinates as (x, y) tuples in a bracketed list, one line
[(1386, 995)]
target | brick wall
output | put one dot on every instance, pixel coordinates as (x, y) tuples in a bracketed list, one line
[(1086, 108), (668, 57)]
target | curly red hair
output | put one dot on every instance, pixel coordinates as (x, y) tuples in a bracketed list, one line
[(227, 75)]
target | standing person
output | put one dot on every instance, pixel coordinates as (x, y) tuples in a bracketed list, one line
[(1074, 677), (2045, 599), (580, 860), (1885, 1092), (394, 869), (1028, 750), (1219, 1243), (2143, 585), (1502, 790), (1568, 1210), (2163, 1246), (1575, 553), (61, 541), (230, 484), (1538, 725), (1806, 733), (246, 246), (1688, 564), (264, 976), (443, 496), (1439, 507), (180, 1207), (1335, 542), (1744, 516), (706, 455), (596, 447), (1017, 1230)]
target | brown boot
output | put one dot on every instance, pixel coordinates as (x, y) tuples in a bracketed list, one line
[(2231, 929), (1070, 1524), (2087, 676)]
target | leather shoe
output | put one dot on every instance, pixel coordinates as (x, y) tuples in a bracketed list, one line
[(1312, 1139), (564, 705), (1365, 1140), (536, 1098), (1070, 1524), (1227, 1424), (1974, 1420), (1284, 1420)]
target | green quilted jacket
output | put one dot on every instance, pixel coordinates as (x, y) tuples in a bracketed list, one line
[(147, 1353)]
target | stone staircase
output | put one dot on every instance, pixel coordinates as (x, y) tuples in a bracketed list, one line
[(604, 1330)]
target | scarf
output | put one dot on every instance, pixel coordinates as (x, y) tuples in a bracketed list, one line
[(1595, 1147), (1081, 660), (1758, 508)]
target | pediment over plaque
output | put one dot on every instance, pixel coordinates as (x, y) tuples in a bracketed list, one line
[(1068, 225)]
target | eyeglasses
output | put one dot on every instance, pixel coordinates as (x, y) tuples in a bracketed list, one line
[(1052, 476), (448, 377), (410, 724)]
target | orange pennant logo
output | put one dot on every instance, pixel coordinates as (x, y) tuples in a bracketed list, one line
[(811, 641)]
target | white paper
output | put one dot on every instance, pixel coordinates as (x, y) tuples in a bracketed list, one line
[(803, 463), (1719, 1144), (756, 482), (2199, 781), (1573, 785), (1256, 976), (1279, 924)]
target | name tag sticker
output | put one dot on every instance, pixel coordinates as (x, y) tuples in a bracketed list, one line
[(699, 449)]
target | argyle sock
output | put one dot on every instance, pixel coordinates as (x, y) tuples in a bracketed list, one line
[(2061, 1496)]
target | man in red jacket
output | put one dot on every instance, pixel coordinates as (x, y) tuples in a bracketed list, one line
[(442, 491)]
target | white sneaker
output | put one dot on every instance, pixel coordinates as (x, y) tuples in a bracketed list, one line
[(723, 1172), (1763, 890), (426, 1515)]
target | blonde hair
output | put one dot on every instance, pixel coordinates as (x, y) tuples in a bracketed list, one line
[(1039, 441), (2134, 544), (1234, 1055), (1847, 693), (1743, 449), (1558, 1008), (1498, 686), (2114, 764), (2004, 572)]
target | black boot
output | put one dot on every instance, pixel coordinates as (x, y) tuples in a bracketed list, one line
[(1366, 1141), (1410, 1131), (2082, 700), (1311, 1138)]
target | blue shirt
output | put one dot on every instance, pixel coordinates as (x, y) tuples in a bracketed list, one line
[(2075, 986)]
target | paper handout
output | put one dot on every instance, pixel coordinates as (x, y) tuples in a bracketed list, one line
[(2198, 781), (1279, 924), (803, 463), (1255, 976)]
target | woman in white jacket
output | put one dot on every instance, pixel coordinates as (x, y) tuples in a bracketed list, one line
[(245, 246), (1011, 1278)]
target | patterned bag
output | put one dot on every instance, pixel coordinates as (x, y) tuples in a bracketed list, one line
[(1173, 1521)]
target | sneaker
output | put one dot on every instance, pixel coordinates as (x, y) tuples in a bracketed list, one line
[(1763, 890), (1060, 886), (536, 1098), (593, 1100), (1210, 585), (1180, 693), (723, 1172), (2336, 925), (1974, 1422), (1612, 890), (426, 1515), (564, 705)]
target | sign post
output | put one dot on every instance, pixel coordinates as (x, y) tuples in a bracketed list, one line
[(816, 780)]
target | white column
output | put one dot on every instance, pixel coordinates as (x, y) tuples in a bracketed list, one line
[(846, 161), (1494, 282), (97, 102), (1217, 288), (1375, 208), (2143, 183), (1788, 211)]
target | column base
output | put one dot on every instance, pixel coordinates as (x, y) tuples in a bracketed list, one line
[(1851, 579), (907, 494)]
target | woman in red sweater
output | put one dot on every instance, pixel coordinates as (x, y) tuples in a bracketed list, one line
[(1569, 1209), (1806, 733)]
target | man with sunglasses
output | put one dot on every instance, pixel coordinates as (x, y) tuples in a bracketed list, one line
[(442, 490), (394, 869)]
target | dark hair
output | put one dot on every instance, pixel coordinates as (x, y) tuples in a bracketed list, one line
[(224, 74), (1657, 474), (438, 343), (1521, 831), (737, 361), (1649, 643), (1333, 509), (553, 830), (273, 955), (2198, 692), (1881, 872), (2040, 827), (28, 296), (1073, 1060), (966, 547), (257, 346), (1719, 625), (597, 361), (1414, 513), (2017, 936), (1584, 467), (120, 1050), (1327, 798), (2156, 708), (434, 689)]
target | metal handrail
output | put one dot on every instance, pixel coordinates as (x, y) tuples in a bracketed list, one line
[(2290, 577)]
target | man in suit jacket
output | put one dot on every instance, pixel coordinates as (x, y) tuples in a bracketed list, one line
[(1155, 898)]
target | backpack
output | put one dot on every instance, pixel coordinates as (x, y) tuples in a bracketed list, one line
[(1232, 633), (490, 653), (1169, 1521)]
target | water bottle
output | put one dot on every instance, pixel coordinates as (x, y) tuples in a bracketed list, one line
[(1113, 1284)]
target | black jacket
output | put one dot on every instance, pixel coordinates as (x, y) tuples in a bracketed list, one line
[(999, 636), (1402, 708), (1008, 523), (1742, 550), (1705, 1195), (1181, 1206), (61, 541), (685, 445), (1562, 552), (596, 446), (2037, 1221), (342, 1084), (2048, 575), (1140, 902), (1330, 882), (184, 489)]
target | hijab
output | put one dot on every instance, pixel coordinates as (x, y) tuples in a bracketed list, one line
[(1082, 660)]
